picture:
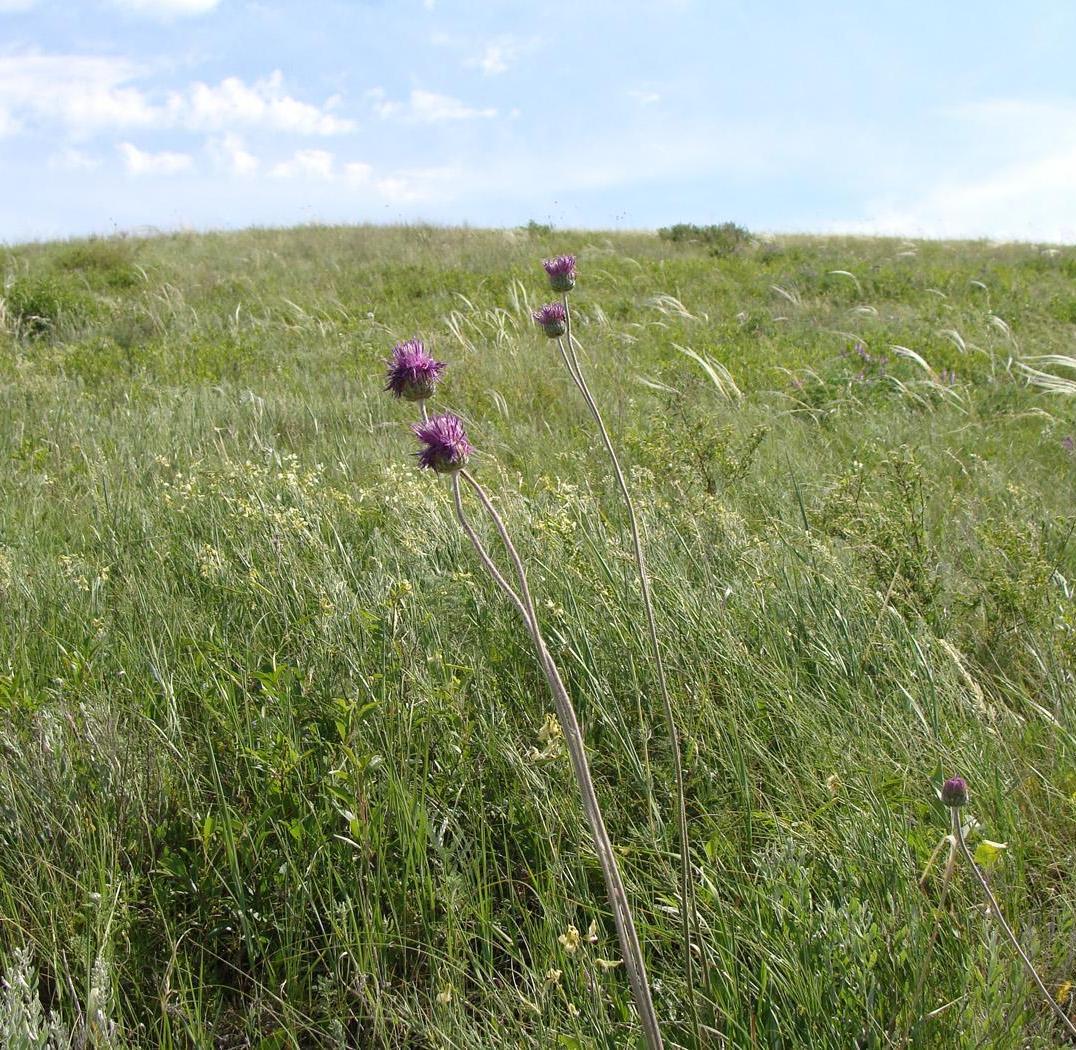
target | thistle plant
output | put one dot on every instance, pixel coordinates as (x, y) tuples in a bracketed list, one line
[(413, 373), (445, 449), (954, 794), (555, 319)]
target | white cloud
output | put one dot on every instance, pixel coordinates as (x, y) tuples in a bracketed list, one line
[(83, 92), (88, 94), (13, 6), (426, 107), (418, 184), (358, 172), (1029, 200), (1018, 187), (263, 104), (74, 160), (305, 163), (496, 58), (499, 54), (230, 154), (167, 8), (138, 162), (645, 98), (429, 107)]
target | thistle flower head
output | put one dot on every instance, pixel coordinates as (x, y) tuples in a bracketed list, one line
[(553, 319), (445, 448), (954, 792), (412, 372), (561, 270)]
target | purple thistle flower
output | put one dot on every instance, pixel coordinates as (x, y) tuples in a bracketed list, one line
[(1069, 443), (446, 446), (553, 319), (954, 792), (561, 270), (413, 373)]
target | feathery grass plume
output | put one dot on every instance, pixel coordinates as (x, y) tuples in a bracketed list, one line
[(561, 271), (954, 794), (446, 451), (412, 373), (556, 320), (553, 319)]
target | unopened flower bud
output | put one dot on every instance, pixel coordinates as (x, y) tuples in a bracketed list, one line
[(954, 792)]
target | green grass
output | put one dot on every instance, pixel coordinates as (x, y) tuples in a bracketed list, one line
[(266, 759)]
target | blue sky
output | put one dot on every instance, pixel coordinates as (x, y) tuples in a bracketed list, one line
[(911, 118)]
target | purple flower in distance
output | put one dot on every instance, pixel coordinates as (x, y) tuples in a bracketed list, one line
[(954, 792), (553, 319), (561, 270), (445, 445), (1069, 443), (412, 373)]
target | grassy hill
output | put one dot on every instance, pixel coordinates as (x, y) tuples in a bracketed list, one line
[(272, 769)]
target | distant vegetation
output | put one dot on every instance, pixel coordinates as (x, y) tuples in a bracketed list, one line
[(720, 240), (276, 762)]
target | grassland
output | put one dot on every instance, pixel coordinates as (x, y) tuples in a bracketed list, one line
[(271, 764)]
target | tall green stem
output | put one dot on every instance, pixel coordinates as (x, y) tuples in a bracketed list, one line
[(688, 911), (573, 735)]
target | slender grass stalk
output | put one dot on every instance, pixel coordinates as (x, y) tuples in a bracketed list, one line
[(688, 911), (958, 835), (573, 735)]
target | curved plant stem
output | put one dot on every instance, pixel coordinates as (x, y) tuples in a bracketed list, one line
[(491, 568), (958, 835), (688, 910), (573, 735)]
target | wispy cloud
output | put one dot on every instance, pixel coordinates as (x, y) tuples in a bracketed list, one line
[(88, 94), (14, 6), (358, 172), (1020, 186), (427, 107), (417, 184), (644, 98), (85, 93), (167, 8), (203, 107), (1027, 200), (139, 162), (74, 160), (499, 55), (305, 163), (229, 153)]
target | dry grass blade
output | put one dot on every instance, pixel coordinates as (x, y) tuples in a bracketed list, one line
[(669, 304), (716, 372)]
